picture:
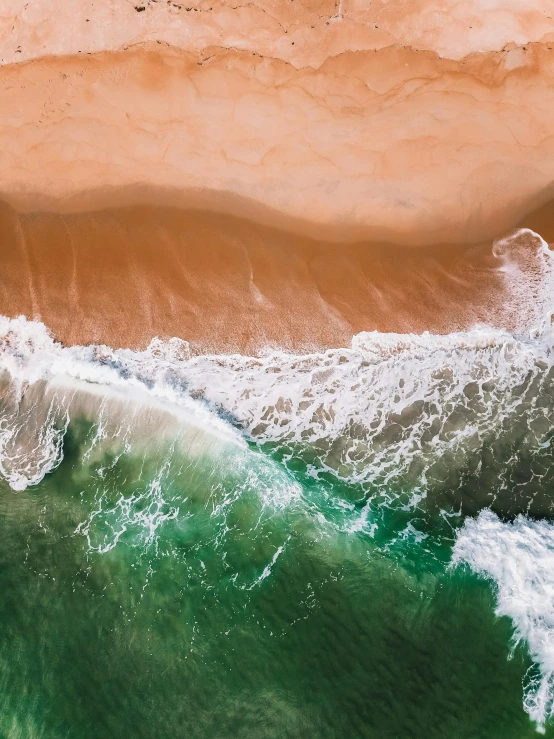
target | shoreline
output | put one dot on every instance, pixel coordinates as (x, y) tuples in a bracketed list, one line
[(124, 275)]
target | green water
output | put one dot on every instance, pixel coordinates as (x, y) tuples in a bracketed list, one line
[(161, 594)]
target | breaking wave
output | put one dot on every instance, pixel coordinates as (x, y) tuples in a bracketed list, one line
[(519, 559)]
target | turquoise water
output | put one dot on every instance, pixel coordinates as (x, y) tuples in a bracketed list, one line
[(349, 544), (168, 596)]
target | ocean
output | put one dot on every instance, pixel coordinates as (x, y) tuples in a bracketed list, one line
[(356, 542)]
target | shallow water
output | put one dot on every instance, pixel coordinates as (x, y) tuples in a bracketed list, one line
[(350, 543)]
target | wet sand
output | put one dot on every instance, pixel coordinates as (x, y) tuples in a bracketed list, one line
[(121, 276)]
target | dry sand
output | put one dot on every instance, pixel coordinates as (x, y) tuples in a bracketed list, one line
[(394, 145)]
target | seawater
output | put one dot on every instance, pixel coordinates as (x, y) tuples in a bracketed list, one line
[(353, 543)]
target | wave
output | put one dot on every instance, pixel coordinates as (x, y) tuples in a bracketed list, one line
[(44, 386), (519, 558)]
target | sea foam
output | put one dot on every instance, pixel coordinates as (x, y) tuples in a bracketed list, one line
[(518, 558)]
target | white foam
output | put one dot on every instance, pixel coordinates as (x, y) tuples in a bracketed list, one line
[(518, 558), (26, 458), (527, 267), (127, 512), (268, 568), (371, 412)]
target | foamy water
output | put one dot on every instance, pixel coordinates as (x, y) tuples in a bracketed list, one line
[(386, 409)]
